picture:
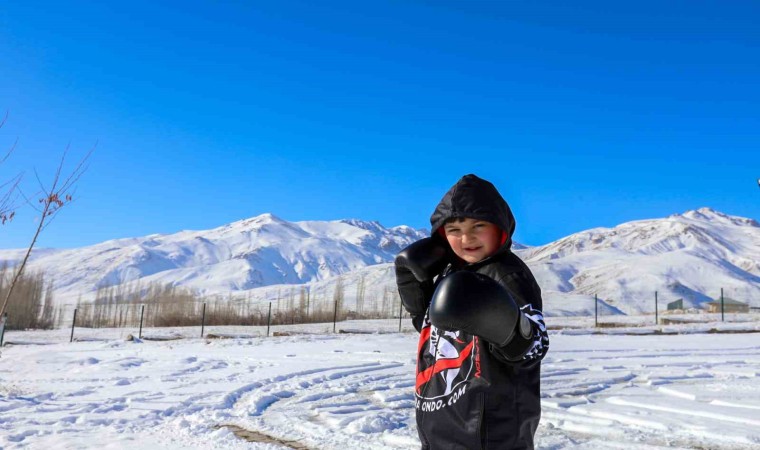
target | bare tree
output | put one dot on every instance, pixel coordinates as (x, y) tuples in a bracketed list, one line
[(31, 305), (360, 290), (50, 200), (339, 295), (387, 302), (303, 301), (291, 300)]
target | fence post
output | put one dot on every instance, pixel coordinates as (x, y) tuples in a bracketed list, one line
[(596, 311), (269, 318), (400, 313), (73, 322), (335, 316), (142, 313), (721, 305), (203, 319), (655, 308), (3, 321)]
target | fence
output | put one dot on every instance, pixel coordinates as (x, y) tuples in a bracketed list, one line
[(220, 312), (136, 316), (663, 307)]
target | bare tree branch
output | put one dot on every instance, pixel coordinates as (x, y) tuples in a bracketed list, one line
[(78, 171), (8, 188), (39, 181), (52, 217), (10, 150), (28, 201), (8, 197)]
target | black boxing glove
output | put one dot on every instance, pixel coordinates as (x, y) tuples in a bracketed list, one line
[(424, 258), (416, 266), (477, 304)]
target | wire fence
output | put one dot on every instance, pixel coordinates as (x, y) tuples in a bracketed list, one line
[(219, 312), (194, 317)]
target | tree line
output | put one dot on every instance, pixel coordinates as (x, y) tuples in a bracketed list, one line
[(163, 305)]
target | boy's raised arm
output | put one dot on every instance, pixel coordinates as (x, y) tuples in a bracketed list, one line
[(416, 266)]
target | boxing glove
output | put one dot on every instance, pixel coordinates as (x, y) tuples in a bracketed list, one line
[(477, 304), (416, 266)]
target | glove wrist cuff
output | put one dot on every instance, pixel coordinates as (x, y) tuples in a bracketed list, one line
[(521, 340)]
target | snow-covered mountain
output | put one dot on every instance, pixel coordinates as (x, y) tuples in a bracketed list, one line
[(688, 256), (261, 251)]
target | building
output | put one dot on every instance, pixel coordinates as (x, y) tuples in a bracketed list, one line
[(676, 305), (729, 305)]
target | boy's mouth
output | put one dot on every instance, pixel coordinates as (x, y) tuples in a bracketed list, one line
[(471, 249)]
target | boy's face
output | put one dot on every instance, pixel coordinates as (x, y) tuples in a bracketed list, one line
[(473, 240)]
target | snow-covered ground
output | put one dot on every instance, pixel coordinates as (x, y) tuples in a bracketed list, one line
[(321, 390)]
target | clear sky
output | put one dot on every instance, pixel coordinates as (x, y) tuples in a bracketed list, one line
[(583, 114)]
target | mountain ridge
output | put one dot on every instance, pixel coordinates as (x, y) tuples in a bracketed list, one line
[(690, 255), (253, 252)]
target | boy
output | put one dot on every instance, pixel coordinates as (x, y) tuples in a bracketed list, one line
[(482, 333)]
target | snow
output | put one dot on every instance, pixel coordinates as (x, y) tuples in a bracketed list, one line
[(635, 387)]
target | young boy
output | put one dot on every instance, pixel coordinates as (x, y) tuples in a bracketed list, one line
[(482, 334)]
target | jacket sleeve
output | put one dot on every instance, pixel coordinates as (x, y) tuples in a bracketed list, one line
[(415, 296), (527, 294)]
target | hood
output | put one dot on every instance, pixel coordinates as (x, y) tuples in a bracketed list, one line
[(476, 198)]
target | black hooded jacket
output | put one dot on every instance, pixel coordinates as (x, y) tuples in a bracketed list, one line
[(469, 393)]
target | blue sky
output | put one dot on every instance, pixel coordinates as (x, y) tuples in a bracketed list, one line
[(583, 114)]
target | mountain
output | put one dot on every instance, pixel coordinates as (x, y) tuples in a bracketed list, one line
[(688, 256), (261, 251)]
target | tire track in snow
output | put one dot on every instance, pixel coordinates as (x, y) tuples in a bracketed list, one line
[(343, 405), (667, 402)]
